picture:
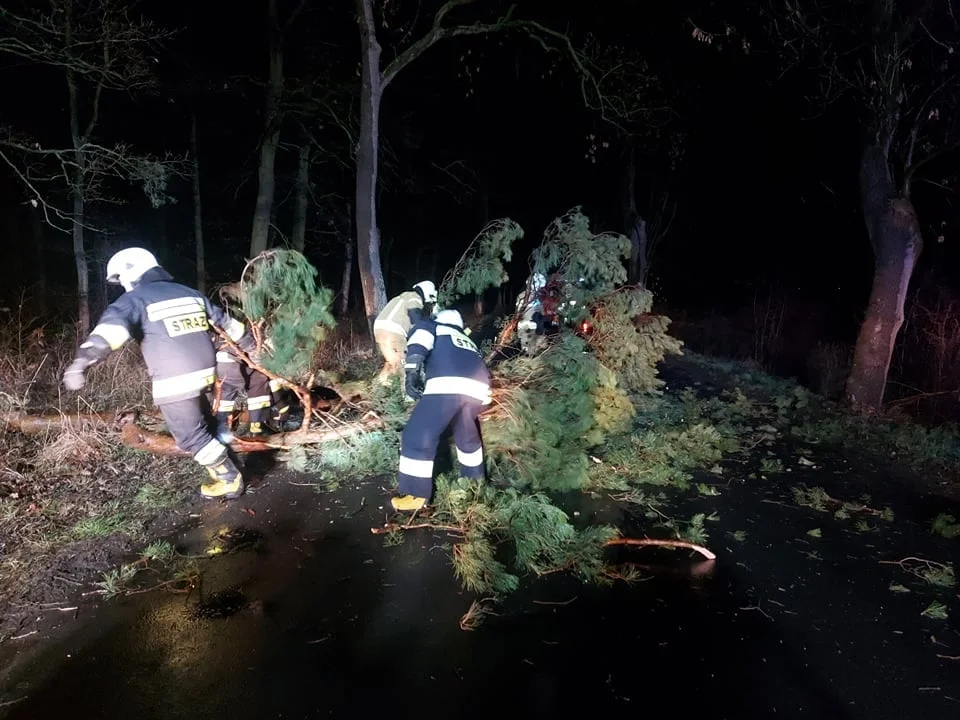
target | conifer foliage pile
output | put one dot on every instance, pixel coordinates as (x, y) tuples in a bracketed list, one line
[(552, 410), (287, 309)]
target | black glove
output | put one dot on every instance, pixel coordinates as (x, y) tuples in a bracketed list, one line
[(412, 388)]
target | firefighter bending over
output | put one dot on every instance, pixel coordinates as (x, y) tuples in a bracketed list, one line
[(395, 322), (456, 389), (235, 376), (172, 322)]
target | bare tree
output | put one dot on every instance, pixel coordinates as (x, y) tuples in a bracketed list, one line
[(98, 47), (197, 209), (374, 81), (273, 119), (899, 63)]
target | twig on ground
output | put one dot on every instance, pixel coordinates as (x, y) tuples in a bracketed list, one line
[(644, 542), (392, 527)]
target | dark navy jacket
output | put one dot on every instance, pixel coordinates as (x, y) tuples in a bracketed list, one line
[(172, 322), (452, 363)]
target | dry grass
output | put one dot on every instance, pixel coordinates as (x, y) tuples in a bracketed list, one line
[(72, 500), (349, 351)]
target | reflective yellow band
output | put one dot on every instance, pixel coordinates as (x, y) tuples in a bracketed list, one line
[(389, 326), (212, 453), (179, 384), (226, 406), (115, 335), (258, 402)]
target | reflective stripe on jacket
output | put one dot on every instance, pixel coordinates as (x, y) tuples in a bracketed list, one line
[(173, 323), (452, 363), (400, 314)]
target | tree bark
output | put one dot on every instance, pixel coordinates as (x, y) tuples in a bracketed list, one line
[(368, 148), (40, 264), (303, 197), (347, 275), (894, 233), (634, 226), (197, 210), (266, 178), (79, 251)]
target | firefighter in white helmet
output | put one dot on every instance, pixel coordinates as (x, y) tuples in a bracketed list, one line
[(457, 388), (395, 321), (530, 327), (172, 322)]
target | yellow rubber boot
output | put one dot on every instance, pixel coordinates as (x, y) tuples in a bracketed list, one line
[(225, 481), (408, 503)]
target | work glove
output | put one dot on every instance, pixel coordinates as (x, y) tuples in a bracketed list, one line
[(73, 377), (412, 390)]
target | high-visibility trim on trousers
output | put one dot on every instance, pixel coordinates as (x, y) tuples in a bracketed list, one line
[(451, 385), (432, 415), (187, 422), (259, 402), (198, 380)]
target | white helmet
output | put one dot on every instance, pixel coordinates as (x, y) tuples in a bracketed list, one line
[(128, 266), (449, 317), (537, 282), (428, 289)]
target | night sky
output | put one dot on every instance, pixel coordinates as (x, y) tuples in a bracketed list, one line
[(766, 190)]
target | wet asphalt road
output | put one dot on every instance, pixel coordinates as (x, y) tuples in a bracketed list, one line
[(312, 616)]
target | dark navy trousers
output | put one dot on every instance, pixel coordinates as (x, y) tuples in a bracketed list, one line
[(432, 415)]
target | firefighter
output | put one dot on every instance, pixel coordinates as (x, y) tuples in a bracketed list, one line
[(173, 323), (235, 376), (529, 326), (456, 388), (395, 321)]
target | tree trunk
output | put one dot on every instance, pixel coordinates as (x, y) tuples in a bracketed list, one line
[(639, 267), (347, 275), (634, 226), (266, 178), (40, 265), (368, 146), (197, 210), (894, 233), (303, 195), (80, 252)]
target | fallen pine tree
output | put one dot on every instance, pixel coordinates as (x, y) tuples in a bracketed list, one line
[(125, 427)]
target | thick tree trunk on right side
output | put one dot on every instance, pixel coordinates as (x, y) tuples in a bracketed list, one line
[(266, 178), (197, 211), (894, 232), (368, 147)]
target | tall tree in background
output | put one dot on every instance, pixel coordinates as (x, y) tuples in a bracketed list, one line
[(272, 120), (898, 63), (197, 209), (98, 47)]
